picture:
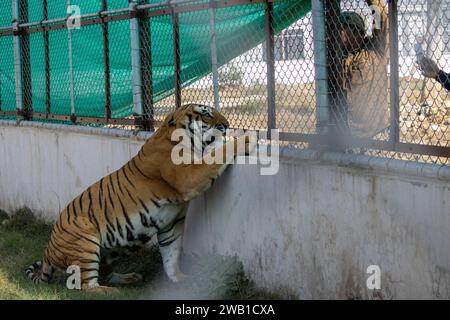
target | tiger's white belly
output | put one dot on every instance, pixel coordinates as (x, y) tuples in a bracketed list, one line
[(157, 219), (162, 216)]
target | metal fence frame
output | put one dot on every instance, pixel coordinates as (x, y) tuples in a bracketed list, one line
[(139, 13)]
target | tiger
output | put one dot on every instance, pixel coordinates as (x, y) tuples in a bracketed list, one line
[(147, 196)]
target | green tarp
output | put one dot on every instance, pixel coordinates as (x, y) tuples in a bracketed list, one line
[(238, 29)]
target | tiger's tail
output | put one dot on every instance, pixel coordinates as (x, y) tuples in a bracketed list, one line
[(39, 273)]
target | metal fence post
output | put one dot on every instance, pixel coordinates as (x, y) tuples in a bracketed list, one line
[(394, 134), (338, 123), (135, 60), (270, 62), (105, 36), (214, 63), (18, 81), (46, 60), (71, 88), (146, 71), (26, 65), (320, 66), (176, 58)]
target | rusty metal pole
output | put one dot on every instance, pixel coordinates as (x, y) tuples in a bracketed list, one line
[(71, 83), (176, 58), (46, 61), (106, 65), (26, 65), (18, 82), (146, 72), (135, 61)]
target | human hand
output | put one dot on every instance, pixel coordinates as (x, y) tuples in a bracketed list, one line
[(428, 67)]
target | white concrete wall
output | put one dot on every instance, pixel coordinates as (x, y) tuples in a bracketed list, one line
[(308, 232), (45, 167), (312, 230)]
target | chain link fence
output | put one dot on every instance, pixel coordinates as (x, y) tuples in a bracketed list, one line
[(360, 76)]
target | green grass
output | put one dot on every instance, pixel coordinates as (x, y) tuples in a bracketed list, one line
[(23, 239)]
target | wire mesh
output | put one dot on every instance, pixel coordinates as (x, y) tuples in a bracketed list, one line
[(424, 102), (161, 46), (363, 50), (295, 82), (59, 70), (359, 73), (7, 91), (120, 73), (88, 77), (241, 79), (361, 68), (37, 90)]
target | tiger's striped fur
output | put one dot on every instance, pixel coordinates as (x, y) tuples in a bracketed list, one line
[(149, 195)]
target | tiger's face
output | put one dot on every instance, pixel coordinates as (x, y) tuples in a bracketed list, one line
[(197, 118)]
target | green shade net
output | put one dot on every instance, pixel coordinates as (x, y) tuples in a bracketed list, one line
[(238, 29)]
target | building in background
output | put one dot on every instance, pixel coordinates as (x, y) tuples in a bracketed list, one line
[(294, 46)]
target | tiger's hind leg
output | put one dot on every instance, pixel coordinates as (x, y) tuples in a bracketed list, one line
[(89, 277), (110, 256), (88, 264), (170, 241)]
